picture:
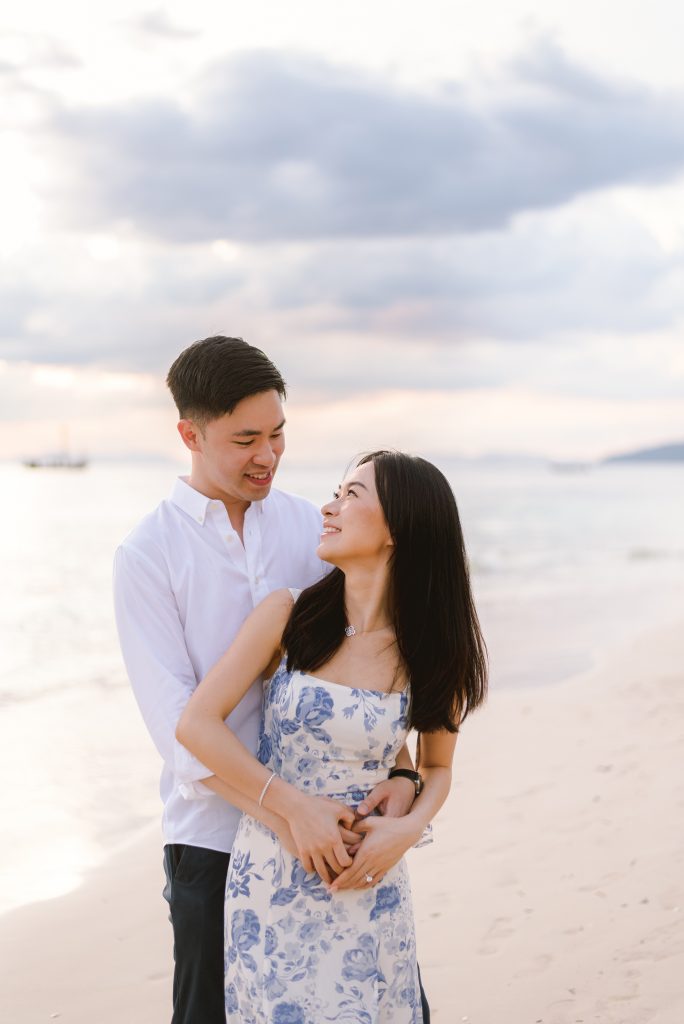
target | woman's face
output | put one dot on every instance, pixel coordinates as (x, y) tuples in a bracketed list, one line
[(354, 527)]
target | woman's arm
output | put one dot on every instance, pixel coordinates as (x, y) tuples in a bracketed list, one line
[(271, 820), (386, 840), (313, 821)]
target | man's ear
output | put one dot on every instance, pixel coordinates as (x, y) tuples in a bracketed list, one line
[(190, 435)]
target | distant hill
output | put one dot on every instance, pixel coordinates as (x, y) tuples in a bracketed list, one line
[(663, 453)]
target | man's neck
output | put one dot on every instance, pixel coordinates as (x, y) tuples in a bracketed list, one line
[(235, 507)]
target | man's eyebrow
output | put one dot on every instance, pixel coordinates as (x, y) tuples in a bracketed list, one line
[(257, 433)]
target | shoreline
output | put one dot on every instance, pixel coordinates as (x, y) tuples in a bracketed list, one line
[(551, 893)]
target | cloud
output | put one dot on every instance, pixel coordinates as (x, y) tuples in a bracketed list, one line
[(573, 300), (275, 147), (156, 23), (588, 267)]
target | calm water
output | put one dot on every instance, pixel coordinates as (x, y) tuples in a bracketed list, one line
[(565, 567)]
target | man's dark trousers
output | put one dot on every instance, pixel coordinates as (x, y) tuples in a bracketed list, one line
[(195, 890)]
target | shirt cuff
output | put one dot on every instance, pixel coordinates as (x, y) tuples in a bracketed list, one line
[(187, 768), (194, 791)]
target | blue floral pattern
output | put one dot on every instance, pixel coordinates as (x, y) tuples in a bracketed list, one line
[(295, 953)]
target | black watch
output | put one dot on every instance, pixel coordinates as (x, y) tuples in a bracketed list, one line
[(406, 773)]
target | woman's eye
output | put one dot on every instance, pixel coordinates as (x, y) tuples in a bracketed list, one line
[(353, 492)]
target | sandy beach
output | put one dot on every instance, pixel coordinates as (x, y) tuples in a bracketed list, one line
[(552, 893)]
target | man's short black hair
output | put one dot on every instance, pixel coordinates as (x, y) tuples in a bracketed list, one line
[(211, 376)]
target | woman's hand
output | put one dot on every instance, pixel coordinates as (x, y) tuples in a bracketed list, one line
[(385, 842), (319, 827), (284, 835)]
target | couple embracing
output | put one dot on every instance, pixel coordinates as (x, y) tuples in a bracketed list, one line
[(279, 665)]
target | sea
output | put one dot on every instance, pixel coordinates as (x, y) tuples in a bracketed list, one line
[(567, 565)]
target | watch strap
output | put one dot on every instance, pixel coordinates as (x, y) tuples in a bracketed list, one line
[(407, 773)]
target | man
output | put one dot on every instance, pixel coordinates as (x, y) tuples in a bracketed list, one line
[(185, 580)]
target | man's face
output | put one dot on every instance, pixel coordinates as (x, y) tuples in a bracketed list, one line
[(237, 455)]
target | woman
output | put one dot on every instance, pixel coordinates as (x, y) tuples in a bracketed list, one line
[(387, 642)]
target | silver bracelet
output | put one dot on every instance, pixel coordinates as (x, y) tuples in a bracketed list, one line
[(263, 791)]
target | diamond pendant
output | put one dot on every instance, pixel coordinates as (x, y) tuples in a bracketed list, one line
[(349, 631)]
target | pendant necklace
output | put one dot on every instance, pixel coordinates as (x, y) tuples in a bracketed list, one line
[(352, 631)]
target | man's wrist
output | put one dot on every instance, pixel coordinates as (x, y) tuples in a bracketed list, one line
[(407, 773)]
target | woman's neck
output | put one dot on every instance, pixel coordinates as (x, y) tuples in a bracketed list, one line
[(365, 599)]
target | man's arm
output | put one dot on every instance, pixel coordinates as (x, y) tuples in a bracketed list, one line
[(155, 654), (392, 797)]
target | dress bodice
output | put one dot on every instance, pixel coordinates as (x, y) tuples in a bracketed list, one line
[(329, 739)]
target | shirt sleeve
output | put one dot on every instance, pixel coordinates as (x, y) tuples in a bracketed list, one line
[(156, 659)]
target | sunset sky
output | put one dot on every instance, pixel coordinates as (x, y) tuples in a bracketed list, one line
[(455, 228)]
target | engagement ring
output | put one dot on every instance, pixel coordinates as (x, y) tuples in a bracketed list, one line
[(369, 878)]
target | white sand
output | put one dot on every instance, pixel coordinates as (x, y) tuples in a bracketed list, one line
[(553, 891)]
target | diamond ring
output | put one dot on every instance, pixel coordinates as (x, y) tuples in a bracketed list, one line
[(369, 878)]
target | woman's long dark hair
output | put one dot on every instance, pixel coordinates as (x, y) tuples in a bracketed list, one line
[(431, 604)]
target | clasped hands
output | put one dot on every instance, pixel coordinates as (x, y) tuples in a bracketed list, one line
[(346, 847)]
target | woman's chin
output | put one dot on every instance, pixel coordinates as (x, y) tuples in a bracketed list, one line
[(325, 554)]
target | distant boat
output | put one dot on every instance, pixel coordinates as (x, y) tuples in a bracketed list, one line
[(55, 462), (570, 467), (62, 459)]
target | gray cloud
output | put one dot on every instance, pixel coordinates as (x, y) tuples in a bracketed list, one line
[(408, 310), (275, 147), (157, 24)]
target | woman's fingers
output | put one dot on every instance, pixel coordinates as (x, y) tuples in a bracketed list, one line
[(341, 856), (354, 877), (322, 868), (307, 862)]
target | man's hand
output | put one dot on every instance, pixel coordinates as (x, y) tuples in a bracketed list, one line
[(393, 798)]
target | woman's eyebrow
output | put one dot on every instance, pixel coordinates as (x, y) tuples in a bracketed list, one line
[(355, 483)]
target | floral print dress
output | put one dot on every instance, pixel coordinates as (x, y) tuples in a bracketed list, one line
[(295, 953)]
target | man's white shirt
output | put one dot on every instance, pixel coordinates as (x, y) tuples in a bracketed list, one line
[(183, 585)]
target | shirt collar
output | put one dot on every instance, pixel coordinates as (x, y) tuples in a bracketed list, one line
[(195, 504)]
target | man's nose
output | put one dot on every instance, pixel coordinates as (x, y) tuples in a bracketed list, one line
[(265, 455)]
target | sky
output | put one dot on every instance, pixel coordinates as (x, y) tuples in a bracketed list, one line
[(457, 230)]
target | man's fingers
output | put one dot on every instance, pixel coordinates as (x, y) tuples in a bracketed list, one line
[(348, 837), (363, 825), (372, 801)]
